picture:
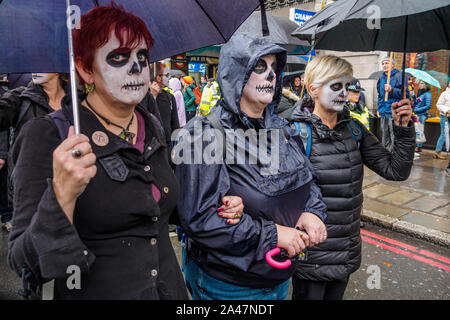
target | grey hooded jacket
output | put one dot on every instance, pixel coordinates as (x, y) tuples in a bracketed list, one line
[(236, 253)]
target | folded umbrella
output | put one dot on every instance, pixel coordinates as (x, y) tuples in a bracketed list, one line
[(447, 135)]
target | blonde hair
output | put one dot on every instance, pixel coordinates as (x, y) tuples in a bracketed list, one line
[(325, 68)]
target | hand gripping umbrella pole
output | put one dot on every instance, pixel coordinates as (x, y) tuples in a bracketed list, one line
[(73, 77)]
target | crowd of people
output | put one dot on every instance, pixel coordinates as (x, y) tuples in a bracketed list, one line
[(103, 199)]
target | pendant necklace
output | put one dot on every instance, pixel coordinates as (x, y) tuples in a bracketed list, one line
[(126, 134)]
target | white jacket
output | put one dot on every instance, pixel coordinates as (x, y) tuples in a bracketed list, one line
[(443, 103)]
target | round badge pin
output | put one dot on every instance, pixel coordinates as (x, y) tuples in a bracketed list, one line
[(100, 138)]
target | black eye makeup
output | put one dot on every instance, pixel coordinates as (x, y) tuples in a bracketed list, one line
[(274, 66), (261, 67), (142, 56), (118, 58), (336, 86)]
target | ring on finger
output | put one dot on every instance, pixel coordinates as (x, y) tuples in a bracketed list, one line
[(77, 153), (238, 215), (301, 233)]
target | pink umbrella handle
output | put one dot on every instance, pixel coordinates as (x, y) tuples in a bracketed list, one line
[(276, 264)]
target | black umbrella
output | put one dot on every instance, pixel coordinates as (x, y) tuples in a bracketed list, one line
[(376, 75), (280, 30), (368, 25)]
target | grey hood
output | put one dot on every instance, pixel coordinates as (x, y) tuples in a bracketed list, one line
[(237, 60)]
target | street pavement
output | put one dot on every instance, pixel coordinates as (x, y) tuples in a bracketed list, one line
[(406, 252), (419, 206)]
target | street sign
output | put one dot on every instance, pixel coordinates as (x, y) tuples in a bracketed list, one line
[(300, 16)]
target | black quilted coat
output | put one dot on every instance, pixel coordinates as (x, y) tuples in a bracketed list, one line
[(338, 164)]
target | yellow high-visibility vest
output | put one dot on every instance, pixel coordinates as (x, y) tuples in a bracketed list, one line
[(362, 117), (167, 89), (210, 97)]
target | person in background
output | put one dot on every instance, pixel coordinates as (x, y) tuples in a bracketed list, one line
[(443, 105), (42, 95), (422, 105), (175, 86), (203, 82), (394, 95), (210, 97), (161, 102), (296, 86), (357, 109), (189, 97), (411, 88), (5, 209), (8, 82)]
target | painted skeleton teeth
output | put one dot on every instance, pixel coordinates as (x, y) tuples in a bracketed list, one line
[(265, 88), (133, 86)]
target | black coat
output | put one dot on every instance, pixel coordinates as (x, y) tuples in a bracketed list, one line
[(236, 253), (338, 164), (11, 101), (119, 238), (165, 109), (18, 106)]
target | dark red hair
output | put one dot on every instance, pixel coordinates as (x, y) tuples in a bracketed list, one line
[(96, 26)]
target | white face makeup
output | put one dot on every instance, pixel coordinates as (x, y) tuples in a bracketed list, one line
[(260, 87), (40, 78), (334, 93), (124, 71), (165, 76)]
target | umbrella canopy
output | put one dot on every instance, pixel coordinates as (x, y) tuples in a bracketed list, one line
[(423, 76), (34, 34), (376, 75), (439, 76), (407, 25), (280, 29)]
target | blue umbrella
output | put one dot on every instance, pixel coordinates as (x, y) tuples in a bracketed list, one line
[(34, 33), (423, 76)]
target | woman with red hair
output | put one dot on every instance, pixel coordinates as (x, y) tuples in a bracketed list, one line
[(92, 210)]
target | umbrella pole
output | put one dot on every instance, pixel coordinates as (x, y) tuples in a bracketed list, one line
[(404, 59), (303, 85), (389, 75), (313, 43), (73, 78)]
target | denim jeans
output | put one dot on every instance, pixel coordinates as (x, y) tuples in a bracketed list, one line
[(204, 287), (441, 140), (422, 119)]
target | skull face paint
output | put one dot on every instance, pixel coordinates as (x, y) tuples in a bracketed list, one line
[(40, 78), (260, 87), (124, 71), (334, 93)]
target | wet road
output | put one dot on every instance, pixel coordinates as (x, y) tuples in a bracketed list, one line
[(394, 266), (409, 269)]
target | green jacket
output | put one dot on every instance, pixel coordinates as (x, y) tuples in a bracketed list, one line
[(189, 98)]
